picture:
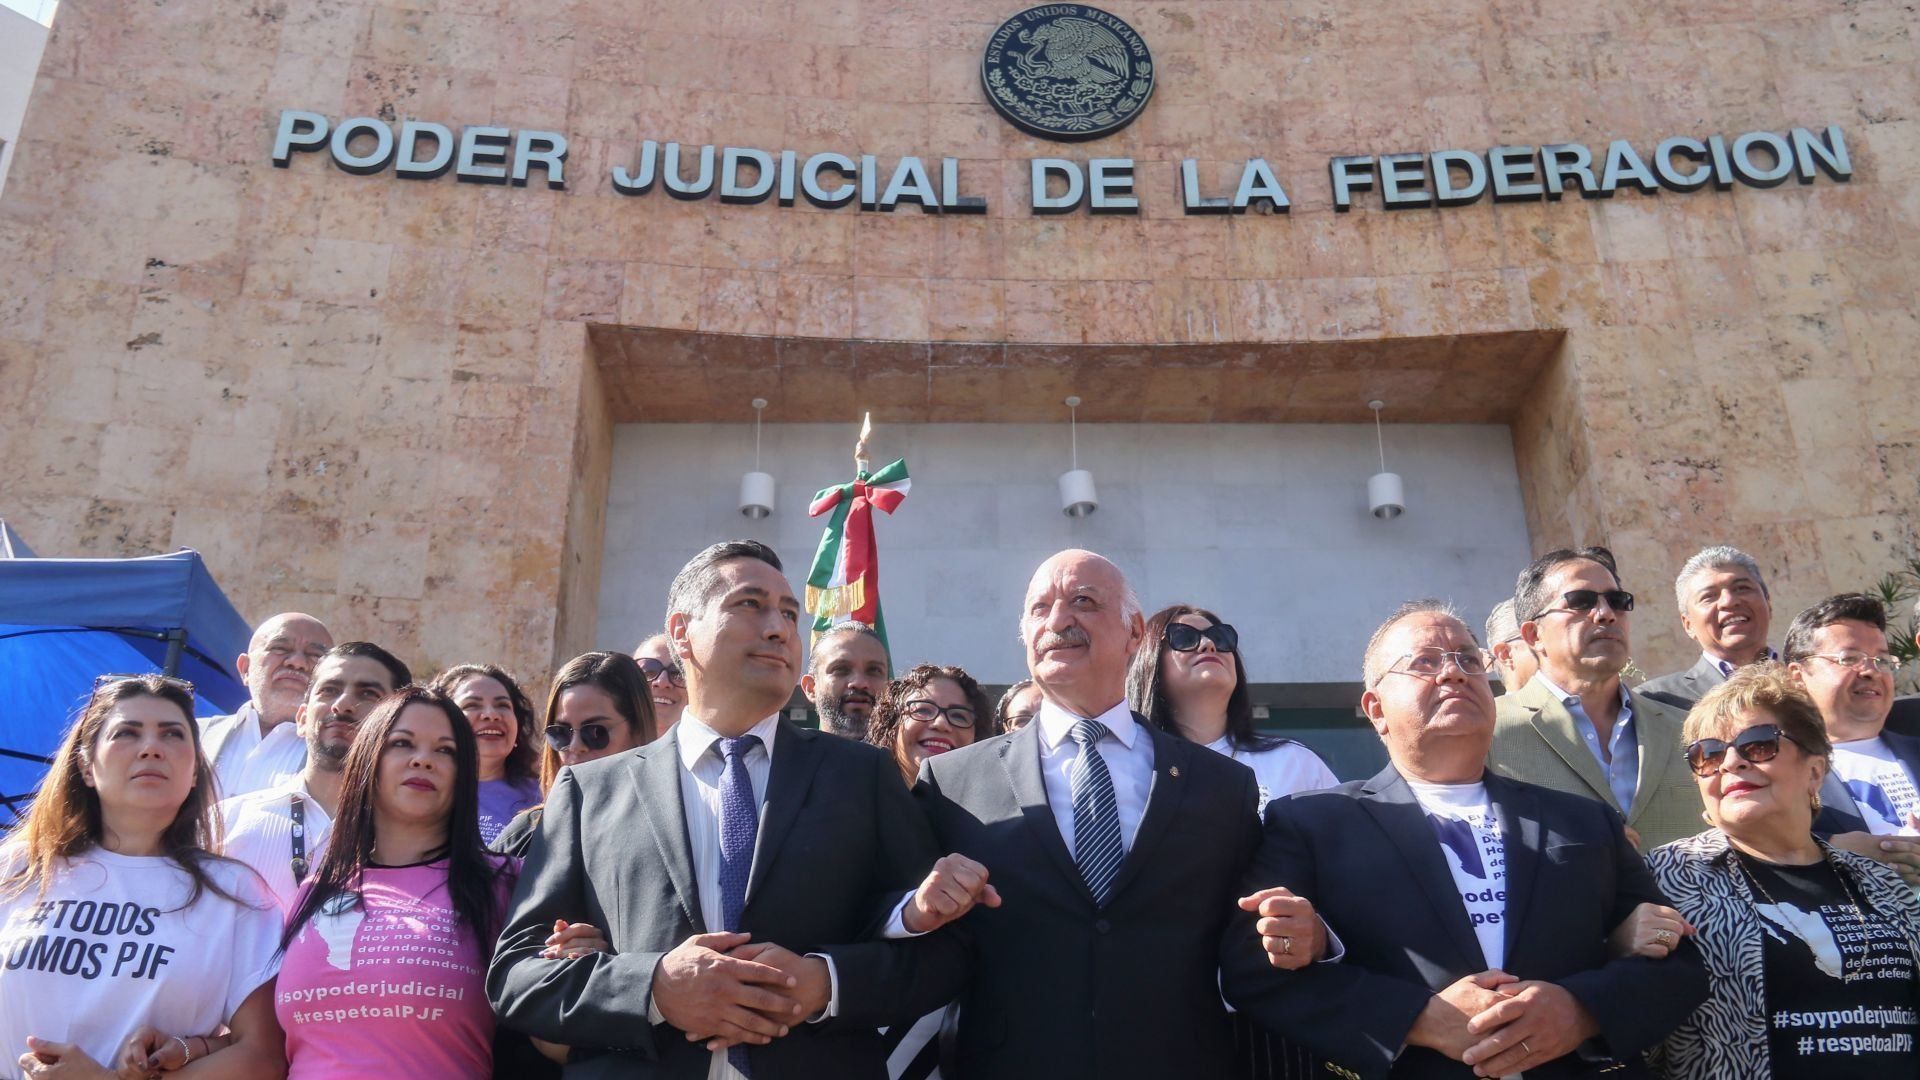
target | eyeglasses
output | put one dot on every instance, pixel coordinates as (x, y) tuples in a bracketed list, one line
[(652, 668), (928, 711), (592, 736), (1018, 720), (1428, 663), (1885, 662), (1579, 601), (1758, 744), (169, 680), (1184, 638)]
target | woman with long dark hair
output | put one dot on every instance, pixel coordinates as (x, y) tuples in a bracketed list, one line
[(387, 947), (599, 705), (118, 926), (930, 710), (503, 729), (1189, 680)]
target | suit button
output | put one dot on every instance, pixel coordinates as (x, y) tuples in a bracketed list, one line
[(1102, 926)]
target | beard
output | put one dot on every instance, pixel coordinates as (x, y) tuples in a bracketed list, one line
[(836, 722), (330, 757)]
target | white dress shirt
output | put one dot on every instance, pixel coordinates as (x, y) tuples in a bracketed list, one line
[(1129, 758), (244, 759), (701, 768), (259, 832)]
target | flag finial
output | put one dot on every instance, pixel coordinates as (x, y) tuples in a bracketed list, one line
[(862, 465)]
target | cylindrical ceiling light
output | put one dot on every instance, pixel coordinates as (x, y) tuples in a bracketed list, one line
[(1077, 497), (1386, 495), (756, 487)]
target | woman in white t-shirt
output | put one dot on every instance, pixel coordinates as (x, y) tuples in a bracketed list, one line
[(117, 923), (1188, 680)]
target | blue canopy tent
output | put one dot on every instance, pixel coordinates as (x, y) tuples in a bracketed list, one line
[(64, 622)]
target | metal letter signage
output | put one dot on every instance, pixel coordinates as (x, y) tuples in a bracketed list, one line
[(1067, 72)]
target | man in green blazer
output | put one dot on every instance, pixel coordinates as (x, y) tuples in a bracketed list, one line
[(1575, 726)]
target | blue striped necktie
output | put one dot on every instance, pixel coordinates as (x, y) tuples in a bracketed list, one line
[(1096, 821)]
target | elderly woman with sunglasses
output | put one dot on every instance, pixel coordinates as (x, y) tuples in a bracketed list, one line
[(1813, 951)]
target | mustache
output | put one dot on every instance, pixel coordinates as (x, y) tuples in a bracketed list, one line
[(1056, 639)]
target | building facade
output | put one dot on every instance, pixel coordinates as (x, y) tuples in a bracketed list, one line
[(1660, 294)]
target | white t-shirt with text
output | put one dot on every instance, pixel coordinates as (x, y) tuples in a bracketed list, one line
[(1880, 785), (110, 946), (1469, 836)]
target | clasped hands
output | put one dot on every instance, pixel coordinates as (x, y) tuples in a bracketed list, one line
[(727, 989)]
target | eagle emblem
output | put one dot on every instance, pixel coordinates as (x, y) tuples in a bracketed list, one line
[(1067, 71)]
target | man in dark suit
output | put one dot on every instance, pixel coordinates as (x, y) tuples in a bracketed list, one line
[(1116, 850), (1837, 651), (1725, 609), (1474, 909), (751, 877)]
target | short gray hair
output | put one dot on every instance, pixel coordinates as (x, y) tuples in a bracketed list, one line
[(842, 629), (697, 583), (1718, 557), (1373, 665), (1501, 625)]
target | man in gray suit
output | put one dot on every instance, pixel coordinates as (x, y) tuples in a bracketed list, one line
[(1724, 606), (755, 880), (1576, 727)]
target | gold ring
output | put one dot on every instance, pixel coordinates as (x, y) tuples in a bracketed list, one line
[(1286, 945), (1663, 936)]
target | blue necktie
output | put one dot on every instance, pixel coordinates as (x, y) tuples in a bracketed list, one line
[(739, 826), (1096, 821), (1457, 836)]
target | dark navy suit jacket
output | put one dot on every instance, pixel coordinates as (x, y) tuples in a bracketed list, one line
[(1366, 855)]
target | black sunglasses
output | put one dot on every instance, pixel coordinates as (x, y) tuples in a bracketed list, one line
[(652, 668), (170, 680), (1758, 744), (592, 736), (1585, 599), (1184, 638)]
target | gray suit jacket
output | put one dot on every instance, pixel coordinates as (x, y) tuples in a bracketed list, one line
[(1535, 740), (840, 843), (1683, 689)]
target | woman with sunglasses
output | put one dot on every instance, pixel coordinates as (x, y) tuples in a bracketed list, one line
[(1190, 681), (665, 679), (599, 705), (1813, 951), (118, 925), (386, 950), (503, 728), (932, 709)]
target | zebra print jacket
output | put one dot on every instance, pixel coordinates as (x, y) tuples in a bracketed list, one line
[(1726, 1038)]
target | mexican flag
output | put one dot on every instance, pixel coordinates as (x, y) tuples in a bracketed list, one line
[(844, 585)]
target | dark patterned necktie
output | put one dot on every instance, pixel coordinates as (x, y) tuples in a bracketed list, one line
[(1096, 821), (739, 826)]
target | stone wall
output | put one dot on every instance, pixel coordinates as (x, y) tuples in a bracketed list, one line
[(368, 397)]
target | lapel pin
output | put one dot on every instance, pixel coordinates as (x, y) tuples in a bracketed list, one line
[(1173, 770)]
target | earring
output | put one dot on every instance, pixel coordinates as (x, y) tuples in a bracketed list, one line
[(1816, 802)]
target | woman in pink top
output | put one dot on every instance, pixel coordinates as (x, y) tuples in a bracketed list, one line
[(387, 948)]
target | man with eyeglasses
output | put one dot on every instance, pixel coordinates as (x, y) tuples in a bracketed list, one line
[(1576, 727), (282, 831), (1513, 659), (850, 669), (1725, 608), (666, 682), (1474, 909), (1837, 651)]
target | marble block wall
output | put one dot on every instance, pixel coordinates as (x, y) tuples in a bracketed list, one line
[(372, 398)]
